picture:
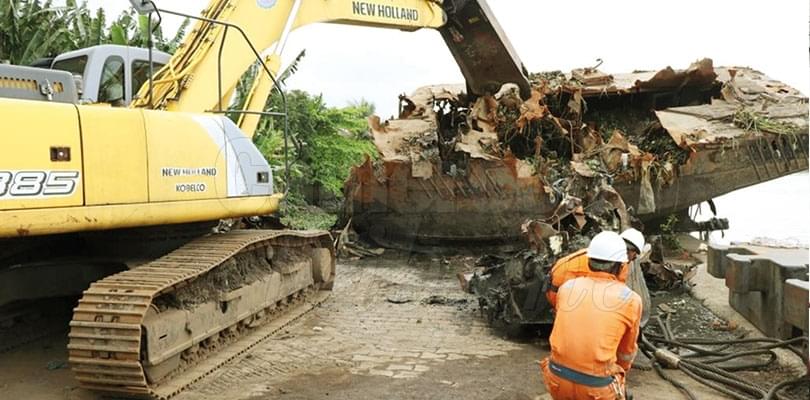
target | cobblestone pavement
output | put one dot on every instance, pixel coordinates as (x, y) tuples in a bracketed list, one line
[(384, 319), (379, 337), (397, 327)]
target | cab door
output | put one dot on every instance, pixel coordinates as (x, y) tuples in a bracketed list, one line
[(40, 155)]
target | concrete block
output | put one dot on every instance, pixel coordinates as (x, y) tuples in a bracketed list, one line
[(716, 258), (796, 297), (756, 277)]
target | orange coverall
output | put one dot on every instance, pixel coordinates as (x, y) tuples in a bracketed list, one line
[(574, 265), (595, 331)]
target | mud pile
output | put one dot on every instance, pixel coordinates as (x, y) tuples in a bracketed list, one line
[(456, 170)]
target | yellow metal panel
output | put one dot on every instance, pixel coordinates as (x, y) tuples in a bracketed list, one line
[(79, 219), (31, 131), (406, 15), (186, 157), (263, 22), (114, 156), (257, 97)]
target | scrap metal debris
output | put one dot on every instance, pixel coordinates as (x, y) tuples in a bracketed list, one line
[(668, 276), (443, 301), (458, 169), (588, 151), (667, 273), (511, 290), (348, 245)]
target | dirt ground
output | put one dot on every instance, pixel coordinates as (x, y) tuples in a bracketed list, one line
[(396, 327)]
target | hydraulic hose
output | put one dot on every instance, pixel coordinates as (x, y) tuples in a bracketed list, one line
[(704, 359)]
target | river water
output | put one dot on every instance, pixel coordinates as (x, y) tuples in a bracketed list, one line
[(778, 209)]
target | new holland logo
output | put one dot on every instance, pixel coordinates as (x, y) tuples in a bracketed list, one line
[(384, 11)]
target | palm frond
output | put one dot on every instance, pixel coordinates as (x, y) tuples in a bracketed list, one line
[(292, 68)]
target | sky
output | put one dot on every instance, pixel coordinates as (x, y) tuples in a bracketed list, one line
[(347, 63)]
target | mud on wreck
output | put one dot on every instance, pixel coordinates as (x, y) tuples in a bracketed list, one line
[(460, 170)]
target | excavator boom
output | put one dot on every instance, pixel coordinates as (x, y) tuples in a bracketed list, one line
[(215, 57), (481, 48)]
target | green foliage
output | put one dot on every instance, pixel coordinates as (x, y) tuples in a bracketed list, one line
[(245, 84), (668, 235), (332, 157), (132, 29), (86, 29), (32, 29), (325, 141), (356, 116), (297, 214), (755, 122)]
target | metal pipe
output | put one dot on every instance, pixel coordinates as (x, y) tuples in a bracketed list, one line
[(150, 44), (264, 113), (219, 69)]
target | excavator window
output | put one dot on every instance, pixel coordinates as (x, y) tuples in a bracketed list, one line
[(73, 65), (111, 90), (140, 73)]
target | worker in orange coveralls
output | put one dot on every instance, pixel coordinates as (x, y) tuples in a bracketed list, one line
[(635, 243), (596, 326), (574, 265)]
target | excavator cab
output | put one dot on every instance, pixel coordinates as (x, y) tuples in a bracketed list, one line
[(100, 74)]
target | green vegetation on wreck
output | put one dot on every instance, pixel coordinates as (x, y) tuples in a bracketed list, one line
[(668, 234)]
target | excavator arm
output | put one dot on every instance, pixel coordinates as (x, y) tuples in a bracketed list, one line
[(256, 98), (481, 49), (205, 69)]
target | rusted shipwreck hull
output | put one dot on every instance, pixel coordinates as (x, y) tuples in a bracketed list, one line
[(455, 171)]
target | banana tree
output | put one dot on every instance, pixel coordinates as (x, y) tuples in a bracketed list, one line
[(131, 29), (30, 29)]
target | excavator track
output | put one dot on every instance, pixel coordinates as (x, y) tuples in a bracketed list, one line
[(109, 348)]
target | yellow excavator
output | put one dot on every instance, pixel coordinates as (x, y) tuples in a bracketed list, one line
[(121, 201)]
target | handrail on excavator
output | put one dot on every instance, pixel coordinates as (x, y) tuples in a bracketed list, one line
[(469, 28), (148, 7)]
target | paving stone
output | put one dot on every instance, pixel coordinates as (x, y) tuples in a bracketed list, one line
[(381, 372), (400, 367), (405, 375), (367, 333), (432, 356)]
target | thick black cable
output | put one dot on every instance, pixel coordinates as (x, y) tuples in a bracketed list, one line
[(774, 392), (704, 365)]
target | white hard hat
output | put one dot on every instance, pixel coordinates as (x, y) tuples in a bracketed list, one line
[(635, 237), (608, 246)]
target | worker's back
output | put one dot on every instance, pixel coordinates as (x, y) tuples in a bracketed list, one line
[(597, 318), (572, 266)]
